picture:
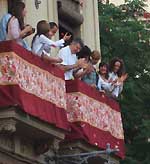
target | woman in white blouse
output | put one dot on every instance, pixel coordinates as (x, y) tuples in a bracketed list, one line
[(117, 75), (41, 43), (110, 82), (103, 82), (16, 29)]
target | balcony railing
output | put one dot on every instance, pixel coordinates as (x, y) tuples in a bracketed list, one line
[(39, 89)]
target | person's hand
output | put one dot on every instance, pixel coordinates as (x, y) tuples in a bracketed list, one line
[(89, 68), (124, 77), (28, 29), (93, 85), (112, 81), (81, 63), (66, 37), (59, 60)]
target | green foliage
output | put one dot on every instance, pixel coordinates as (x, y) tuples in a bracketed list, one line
[(124, 36), (135, 7)]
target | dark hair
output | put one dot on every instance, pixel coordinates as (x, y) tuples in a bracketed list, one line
[(42, 28), (84, 53), (78, 41), (121, 69), (11, 5), (52, 25), (104, 64), (18, 7)]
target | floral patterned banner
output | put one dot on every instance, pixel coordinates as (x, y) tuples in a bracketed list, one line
[(32, 79), (81, 108)]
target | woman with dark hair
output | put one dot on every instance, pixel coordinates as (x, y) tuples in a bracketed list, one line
[(16, 29), (84, 53), (116, 66), (88, 73), (103, 83), (117, 75)]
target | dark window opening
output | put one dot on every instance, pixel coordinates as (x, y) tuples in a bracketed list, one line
[(69, 18)]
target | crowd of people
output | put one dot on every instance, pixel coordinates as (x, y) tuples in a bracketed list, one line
[(77, 60)]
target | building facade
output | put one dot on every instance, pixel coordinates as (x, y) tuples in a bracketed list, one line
[(33, 119), (78, 17)]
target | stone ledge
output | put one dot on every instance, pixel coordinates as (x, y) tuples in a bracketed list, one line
[(22, 120), (80, 146), (25, 137)]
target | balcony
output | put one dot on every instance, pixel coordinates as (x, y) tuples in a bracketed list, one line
[(41, 115)]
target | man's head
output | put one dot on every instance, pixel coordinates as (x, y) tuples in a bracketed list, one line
[(53, 29), (76, 45), (84, 53)]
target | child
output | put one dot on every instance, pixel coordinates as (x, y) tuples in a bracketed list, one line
[(41, 43)]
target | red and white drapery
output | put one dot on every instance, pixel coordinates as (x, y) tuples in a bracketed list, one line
[(39, 89)]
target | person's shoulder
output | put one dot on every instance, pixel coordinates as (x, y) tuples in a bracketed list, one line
[(6, 16), (14, 19), (64, 49), (41, 36)]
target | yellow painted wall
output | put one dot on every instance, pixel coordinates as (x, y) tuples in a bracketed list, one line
[(3, 7)]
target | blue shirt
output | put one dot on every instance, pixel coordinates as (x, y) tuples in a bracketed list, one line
[(3, 26)]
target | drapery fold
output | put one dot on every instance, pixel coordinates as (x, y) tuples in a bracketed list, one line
[(39, 89), (94, 117)]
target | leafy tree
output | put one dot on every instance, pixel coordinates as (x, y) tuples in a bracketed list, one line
[(125, 36)]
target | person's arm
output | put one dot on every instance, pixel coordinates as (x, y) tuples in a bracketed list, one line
[(48, 42), (66, 68), (51, 59), (80, 73), (79, 64), (26, 32), (14, 29), (87, 68)]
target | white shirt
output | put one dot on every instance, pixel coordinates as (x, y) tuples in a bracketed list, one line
[(3, 26), (104, 85), (68, 59), (118, 87), (42, 44)]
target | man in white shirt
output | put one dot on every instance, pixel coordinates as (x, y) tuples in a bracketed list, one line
[(70, 62)]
